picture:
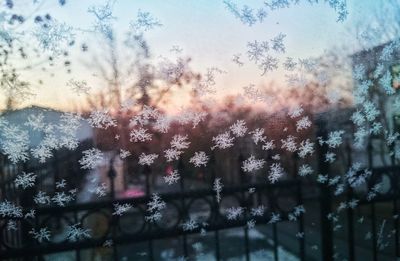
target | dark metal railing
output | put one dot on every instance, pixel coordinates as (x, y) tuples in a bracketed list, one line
[(281, 197), (178, 202)]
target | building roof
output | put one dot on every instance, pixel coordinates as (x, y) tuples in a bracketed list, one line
[(19, 117)]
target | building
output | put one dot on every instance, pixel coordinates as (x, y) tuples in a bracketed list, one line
[(61, 164), (376, 73)]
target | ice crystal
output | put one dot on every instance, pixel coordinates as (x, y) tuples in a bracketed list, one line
[(252, 164), (277, 43), (53, 36), (79, 86), (25, 180), (8, 209), (275, 217), (258, 135), (335, 139), (257, 211), (223, 141), (330, 157), (172, 154), (200, 158), (245, 15), (76, 232), (289, 64), (124, 153), (154, 208), (268, 64), (257, 50), (140, 135), (145, 22), (239, 128), (91, 159), (180, 142), (14, 143), (269, 145), (101, 119), (236, 59), (289, 143), (61, 184), (234, 213), (172, 177), (303, 123), (306, 147), (147, 159), (100, 190), (41, 235), (42, 198), (61, 199), (190, 225), (305, 170), (120, 209), (217, 187), (275, 173)]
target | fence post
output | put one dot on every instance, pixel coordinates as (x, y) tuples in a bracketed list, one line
[(350, 212), (215, 207), (114, 219), (325, 196), (395, 203), (111, 175), (147, 173), (245, 203), (185, 215)]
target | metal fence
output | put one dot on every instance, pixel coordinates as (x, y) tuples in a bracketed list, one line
[(132, 227), (345, 240)]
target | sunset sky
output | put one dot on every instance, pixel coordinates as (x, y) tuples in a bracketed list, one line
[(209, 34)]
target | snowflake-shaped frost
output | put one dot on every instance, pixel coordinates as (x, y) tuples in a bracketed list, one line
[(239, 128), (120, 209), (258, 135), (306, 147), (25, 180), (101, 119), (154, 208), (91, 159), (147, 159), (200, 158), (276, 171), (223, 141), (140, 135), (76, 232), (303, 123), (234, 213), (217, 187), (289, 143), (172, 178), (252, 164), (8, 209), (42, 235)]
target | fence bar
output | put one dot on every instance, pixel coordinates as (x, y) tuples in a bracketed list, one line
[(350, 223), (396, 227), (246, 242), (147, 173), (275, 238), (373, 226), (301, 223), (245, 204), (395, 196), (151, 250), (216, 208), (185, 214), (325, 196)]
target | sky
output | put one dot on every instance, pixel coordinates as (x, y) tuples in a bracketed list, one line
[(210, 35)]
